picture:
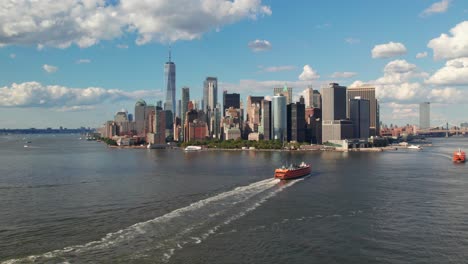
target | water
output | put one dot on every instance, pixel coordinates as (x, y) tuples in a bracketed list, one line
[(63, 200)]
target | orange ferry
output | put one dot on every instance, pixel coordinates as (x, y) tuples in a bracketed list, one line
[(293, 171), (459, 156)]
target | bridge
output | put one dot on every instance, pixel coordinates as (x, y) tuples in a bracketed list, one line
[(447, 129)]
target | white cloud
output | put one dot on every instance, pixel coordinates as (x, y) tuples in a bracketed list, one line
[(451, 46), (421, 55), (49, 68), (308, 74), (259, 45), (34, 94), (455, 72), (87, 22), (122, 46), (278, 68), (352, 40), (388, 50), (438, 7), (448, 94), (12, 55), (83, 61), (343, 75)]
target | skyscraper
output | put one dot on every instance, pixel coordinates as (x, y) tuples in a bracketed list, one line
[(254, 111), (334, 102), (334, 125), (184, 108), (266, 120), (170, 84), (309, 97), (285, 91), (359, 113), (368, 93), (279, 117), (424, 115), (317, 99), (210, 93), (296, 122), (230, 100)]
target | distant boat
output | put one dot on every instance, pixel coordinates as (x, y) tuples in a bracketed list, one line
[(459, 156), (26, 146), (414, 147), (293, 171), (193, 148)]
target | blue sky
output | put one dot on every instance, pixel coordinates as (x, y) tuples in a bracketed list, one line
[(78, 62)]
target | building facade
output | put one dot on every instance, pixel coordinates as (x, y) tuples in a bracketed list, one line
[(424, 115), (230, 100), (285, 91), (296, 122), (210, 93), (359, 112), (170, 84), (368, 93), (279, 117)]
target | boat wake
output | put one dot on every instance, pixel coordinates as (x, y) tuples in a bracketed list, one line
[(160, 238)]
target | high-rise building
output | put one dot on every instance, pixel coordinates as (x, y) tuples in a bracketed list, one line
[(184, 108), (334, 102), (210, 93), (170, 84), (230, 100), (179, 108), (296, 122), (424, 115), (285, 91), (316, 99), (359, 113), (368, 93), (334, 125), (265, 127), (279, 117), (309, 97), (141, 116), (254, 111)]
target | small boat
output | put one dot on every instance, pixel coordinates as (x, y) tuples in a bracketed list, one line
[(293, 171), (459, 156), (193, 148), (26, 146), (414, 147)]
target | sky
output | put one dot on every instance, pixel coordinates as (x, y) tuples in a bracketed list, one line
[(75, 63)]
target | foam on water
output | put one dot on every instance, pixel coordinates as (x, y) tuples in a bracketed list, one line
[(164, 235)]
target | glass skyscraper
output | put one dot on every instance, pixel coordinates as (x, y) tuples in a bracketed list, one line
[(279, 117), (170, 84)]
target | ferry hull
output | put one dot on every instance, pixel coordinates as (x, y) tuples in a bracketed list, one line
[(286, 174), (459, 157)]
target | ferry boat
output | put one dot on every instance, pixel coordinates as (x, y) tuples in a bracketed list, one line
[(414, 147), (193, 148), (459, 156), (293, 171)]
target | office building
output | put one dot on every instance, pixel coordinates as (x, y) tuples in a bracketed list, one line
[(184, 108), (334, 102), (359, 114), (230, 100), (285, 91), (142, 111), (254, 111), (210, 93), (170, 84), (368, 93), (265, 128), (316, 99), (296, 122), (279, 117), (309, 97), (424, 115), (334, 130)]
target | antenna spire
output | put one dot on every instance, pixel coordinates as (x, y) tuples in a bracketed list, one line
[(169, 53)]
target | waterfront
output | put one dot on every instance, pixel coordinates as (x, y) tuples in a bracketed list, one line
[(68, 200)]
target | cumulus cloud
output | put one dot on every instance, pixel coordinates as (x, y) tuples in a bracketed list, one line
[(448, 94), (259, 45), (421, 55), (388, 50), (455, 72), (308, 74), (35, 94), (343, 75), (87, 22), (438, 7), (83, 61), (49, 68), (352, 40), (451, 46), (277, 68)]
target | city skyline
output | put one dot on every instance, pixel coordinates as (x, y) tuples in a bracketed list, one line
[(84, 78)]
